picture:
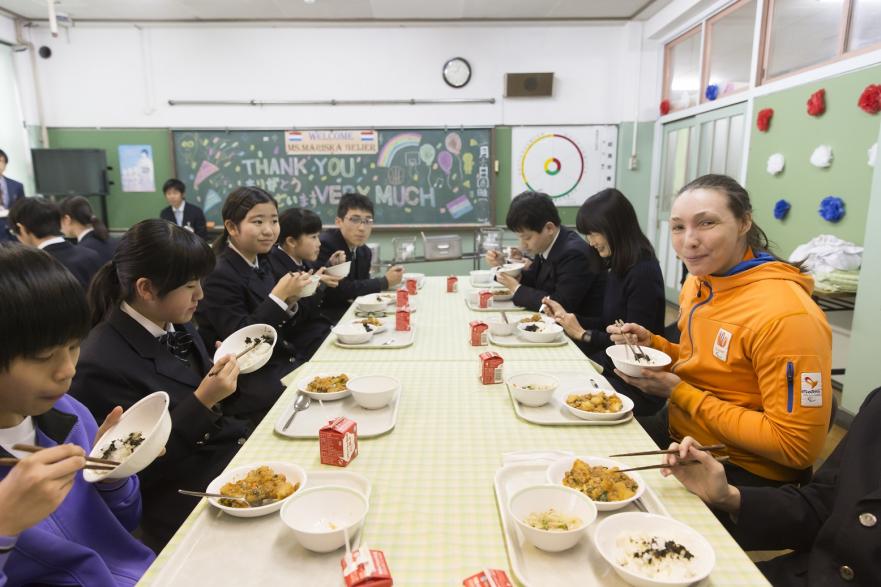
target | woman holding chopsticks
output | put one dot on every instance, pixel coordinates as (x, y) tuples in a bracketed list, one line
[(752, 370), (55, 529)]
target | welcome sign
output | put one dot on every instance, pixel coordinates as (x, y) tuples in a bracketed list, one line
[(331, 142)]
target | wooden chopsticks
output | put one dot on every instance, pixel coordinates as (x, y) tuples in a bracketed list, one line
[(99, 464), (711, 447), (217, 370), (684, 463)]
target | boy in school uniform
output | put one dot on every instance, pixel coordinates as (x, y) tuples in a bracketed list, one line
[(10, 192), (181, 212), (354, 221), (55, 529), (564, 267), (37, 223)]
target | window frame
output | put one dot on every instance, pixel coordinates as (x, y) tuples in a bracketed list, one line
[(697, 29), (708, 46)]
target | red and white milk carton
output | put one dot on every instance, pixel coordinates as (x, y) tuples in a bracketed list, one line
[(478, 333), (338, 442), (402, 299), (412, 286), (491, 367), (488, 578), (402, 319), (452, 284), (366, 568), (484, 298)]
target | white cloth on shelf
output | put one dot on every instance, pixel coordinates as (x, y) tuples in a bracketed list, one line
[(827, 253)]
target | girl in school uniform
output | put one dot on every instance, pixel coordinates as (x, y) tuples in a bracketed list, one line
[(143, 341), (79, 222), (55, 529), (243, 290)]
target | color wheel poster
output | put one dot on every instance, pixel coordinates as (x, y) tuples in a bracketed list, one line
[(568, 163)]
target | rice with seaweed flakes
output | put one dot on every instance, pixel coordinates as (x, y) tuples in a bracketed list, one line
[(655, 557)]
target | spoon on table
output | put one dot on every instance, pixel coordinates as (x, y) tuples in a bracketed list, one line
[(266, 501), (301, 403)]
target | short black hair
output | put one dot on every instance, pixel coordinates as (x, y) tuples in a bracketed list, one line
[(4, 156), (295, 222), (44, 306), (531, 211), (41, 217), (611, 214), (174, 184), (353, 201)]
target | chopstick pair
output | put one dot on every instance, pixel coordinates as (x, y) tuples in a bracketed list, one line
[(99, 464), (217, 370), (683, 463), (637, 353), (668, 451)]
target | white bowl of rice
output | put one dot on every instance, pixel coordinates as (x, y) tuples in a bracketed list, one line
[(648, 550)]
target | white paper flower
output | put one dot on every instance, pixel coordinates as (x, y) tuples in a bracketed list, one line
[(873, 155), (776, 163), (822, 156)]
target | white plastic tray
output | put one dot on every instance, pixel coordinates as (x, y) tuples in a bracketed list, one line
[(489, 285), (370, 422), (555, 412), (516, 342), (381, 340), (507, 306), (217, 540), (582, 565)]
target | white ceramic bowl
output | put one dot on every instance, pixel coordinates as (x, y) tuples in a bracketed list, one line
[(352, 333), (419, 277), (560, 467), (310, 289), (371, 303), (548, 332), (612, 528), (540, 498), (533, 397), (318, 516), (235, 343), (341, 270), (499, 328), (303, 385), (627, 364), (376, 329), (150, 417), (294, 474), (502, 297), (626, 406), (512, 269), (482, 276), (372, 392)]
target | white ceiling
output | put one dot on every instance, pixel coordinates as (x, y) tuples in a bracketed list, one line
[(358, 10)]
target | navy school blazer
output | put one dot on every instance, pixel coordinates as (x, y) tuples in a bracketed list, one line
[(358, 282), (82, 262)]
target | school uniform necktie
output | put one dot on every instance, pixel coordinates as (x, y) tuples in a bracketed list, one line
[(179, 343)]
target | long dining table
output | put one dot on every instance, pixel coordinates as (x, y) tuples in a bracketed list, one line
[(432, 506)]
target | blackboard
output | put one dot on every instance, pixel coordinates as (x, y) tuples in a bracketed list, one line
[(413, 176)]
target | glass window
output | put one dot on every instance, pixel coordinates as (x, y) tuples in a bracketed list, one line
[(803, 33), (683, 74), (730, 40), (865, 24), (735, 147)]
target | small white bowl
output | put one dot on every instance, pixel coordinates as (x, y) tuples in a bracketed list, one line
[(311, 288), (419, 277), (548, 331), (319, 515), (294, 474), (235, 343), (540, 498), (376, 329), (499, 328), (373, 392), (502, 297), (352, 333), (341, 270), (150, 417), (303, 385), (624, 361), (626, 406), (371, 303), (512, 269), (614, 527), (558, 469), (533, 397), (482, 276)]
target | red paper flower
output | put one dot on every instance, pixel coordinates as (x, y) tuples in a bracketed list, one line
[(665, 107), (763, 120), (817, 103), (870, 99)]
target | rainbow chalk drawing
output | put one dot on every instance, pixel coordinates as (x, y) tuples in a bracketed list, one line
[(399, 142)]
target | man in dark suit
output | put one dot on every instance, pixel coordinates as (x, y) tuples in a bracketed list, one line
[(181, 212), (564, 267), (354, 221), (10, 192), (37, 223)]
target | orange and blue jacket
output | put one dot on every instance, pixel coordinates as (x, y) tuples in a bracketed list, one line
[(755, 361)]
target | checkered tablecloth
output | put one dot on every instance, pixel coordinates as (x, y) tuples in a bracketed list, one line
[(433, 510)]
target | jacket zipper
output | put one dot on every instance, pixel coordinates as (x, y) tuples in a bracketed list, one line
[(690, 317), (790, 376)]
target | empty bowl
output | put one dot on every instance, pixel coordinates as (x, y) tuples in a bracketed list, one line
[(626, 406), (566, 502), (341, 270), (244, 338), (625, 362), (352, 333), (371, 303), (321, 517), (293, 473), (500, 328), (533, 389), (482, 276), (373, 392), (558, 469), (544, 331), (311, 287)]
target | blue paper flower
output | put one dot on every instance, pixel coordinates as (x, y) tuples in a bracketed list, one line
[(781, 209), (832, 208), (712, 92)]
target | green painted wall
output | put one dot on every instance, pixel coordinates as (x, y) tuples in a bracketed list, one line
[(846, 128)]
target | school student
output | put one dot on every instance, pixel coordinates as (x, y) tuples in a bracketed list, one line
[(354, 223), (55, 529), (37, 223), (179, 211), (143, 341), (79, 222), (10, 191), (243, 290), (563, 266)]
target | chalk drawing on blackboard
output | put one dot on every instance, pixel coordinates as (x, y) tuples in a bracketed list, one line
[(397, 144), (460, 206), (206, 170)]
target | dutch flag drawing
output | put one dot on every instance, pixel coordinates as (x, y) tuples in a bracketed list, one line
[(368, 135), (295, 137)]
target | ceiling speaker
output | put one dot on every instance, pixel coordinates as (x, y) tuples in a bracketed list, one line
[(529, 85)]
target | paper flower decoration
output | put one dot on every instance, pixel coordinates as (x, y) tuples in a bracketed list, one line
[(817, 103), (712, 92), (870, 99), (665, 107), (776, 163), (831, 208), (763, 120), (873, 155), (822, 156), (781, 209)]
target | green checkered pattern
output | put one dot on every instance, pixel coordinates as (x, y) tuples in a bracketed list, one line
[(433, 509)]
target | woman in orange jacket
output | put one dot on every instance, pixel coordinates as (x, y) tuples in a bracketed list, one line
[(752, 370)]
